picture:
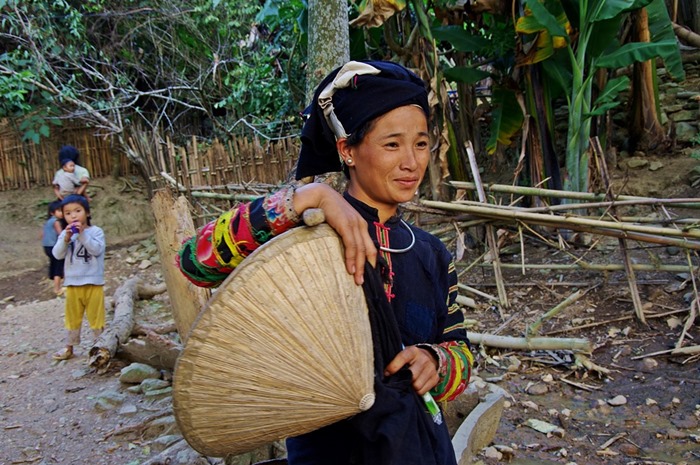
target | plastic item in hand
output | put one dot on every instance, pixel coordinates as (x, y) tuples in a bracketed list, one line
[(74, 229)]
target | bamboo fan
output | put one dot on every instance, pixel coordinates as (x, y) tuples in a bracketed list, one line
[(284, 347)]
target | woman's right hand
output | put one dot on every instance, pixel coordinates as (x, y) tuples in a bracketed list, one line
[(346, 221)]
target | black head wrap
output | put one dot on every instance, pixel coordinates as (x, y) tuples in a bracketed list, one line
[(69, 152), (353, 94)]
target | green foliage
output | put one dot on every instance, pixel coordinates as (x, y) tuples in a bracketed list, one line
[(596, 46), (112, 63), (507, 119)]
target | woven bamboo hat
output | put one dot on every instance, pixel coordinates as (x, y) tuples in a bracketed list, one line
[(284, 347)]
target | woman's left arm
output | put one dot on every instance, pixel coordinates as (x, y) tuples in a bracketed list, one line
[(454, 357), (443, 368)]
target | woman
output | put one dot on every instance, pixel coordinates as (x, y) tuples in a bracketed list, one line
[(369, 119)]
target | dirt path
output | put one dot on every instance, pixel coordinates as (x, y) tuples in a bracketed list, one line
[(48, 412)]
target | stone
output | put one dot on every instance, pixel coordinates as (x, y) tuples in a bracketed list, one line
[(675, 434), (137, 372), (629, 449), (161, 426), (655, 166), (686, 132), (685, 115), (128, 410), (163, 442), (636, 163), (617, 401), (108, 400), (687, 422), (159, 392), (544, 427), (153, 384), (673, 250), (479, 428), (492, 453), (538, 389)]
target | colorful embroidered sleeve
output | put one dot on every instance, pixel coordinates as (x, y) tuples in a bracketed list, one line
[(207, 258), (454, 356)]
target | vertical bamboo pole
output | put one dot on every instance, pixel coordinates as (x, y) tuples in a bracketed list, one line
[(194, 168), (186, 181), (211, 174), (490, 232), (629, 269), (161, 159)]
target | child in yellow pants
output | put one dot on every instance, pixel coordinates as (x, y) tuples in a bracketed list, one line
[(82, 245)]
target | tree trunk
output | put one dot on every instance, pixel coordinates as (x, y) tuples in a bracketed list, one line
[(329, 40), (173, 224), (646, 131)]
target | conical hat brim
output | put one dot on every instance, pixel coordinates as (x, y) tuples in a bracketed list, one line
[(284, 347)]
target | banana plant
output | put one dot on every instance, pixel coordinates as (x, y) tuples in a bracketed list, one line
[(590, 43)]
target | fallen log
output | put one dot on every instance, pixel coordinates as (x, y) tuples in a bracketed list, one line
[(164, 328), (687, 35), (148, 291), (104, 348), (152, 349)]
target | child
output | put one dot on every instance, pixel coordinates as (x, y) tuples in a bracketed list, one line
[(83, 246), (65, 181), (52, 228), (83, 175)]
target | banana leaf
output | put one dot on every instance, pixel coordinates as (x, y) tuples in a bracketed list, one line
[(547, 20), (661, 30), (635, 52), (607, 99), (507, 119), (611, 8), (465, 74), (460, 39)]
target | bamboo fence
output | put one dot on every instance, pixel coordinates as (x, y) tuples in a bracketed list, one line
[(197, 166), (236, 162), (25, 164)]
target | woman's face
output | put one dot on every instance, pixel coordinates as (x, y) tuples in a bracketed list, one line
[(388, 165)]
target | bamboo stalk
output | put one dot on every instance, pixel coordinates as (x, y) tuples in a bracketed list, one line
[(594, 267), (596, 197), (689, 350), (533, 343), (588, 205), (599, 158), (213, 195), (614, 320), (570, 222), (534, 327), (490, 233), (478, 292)]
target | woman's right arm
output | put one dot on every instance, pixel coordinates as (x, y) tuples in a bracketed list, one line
[(346, 221)]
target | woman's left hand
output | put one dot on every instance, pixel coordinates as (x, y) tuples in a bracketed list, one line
[(422, 364)]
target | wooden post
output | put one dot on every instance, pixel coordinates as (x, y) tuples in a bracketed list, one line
[(173, 224), (490, 233)]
